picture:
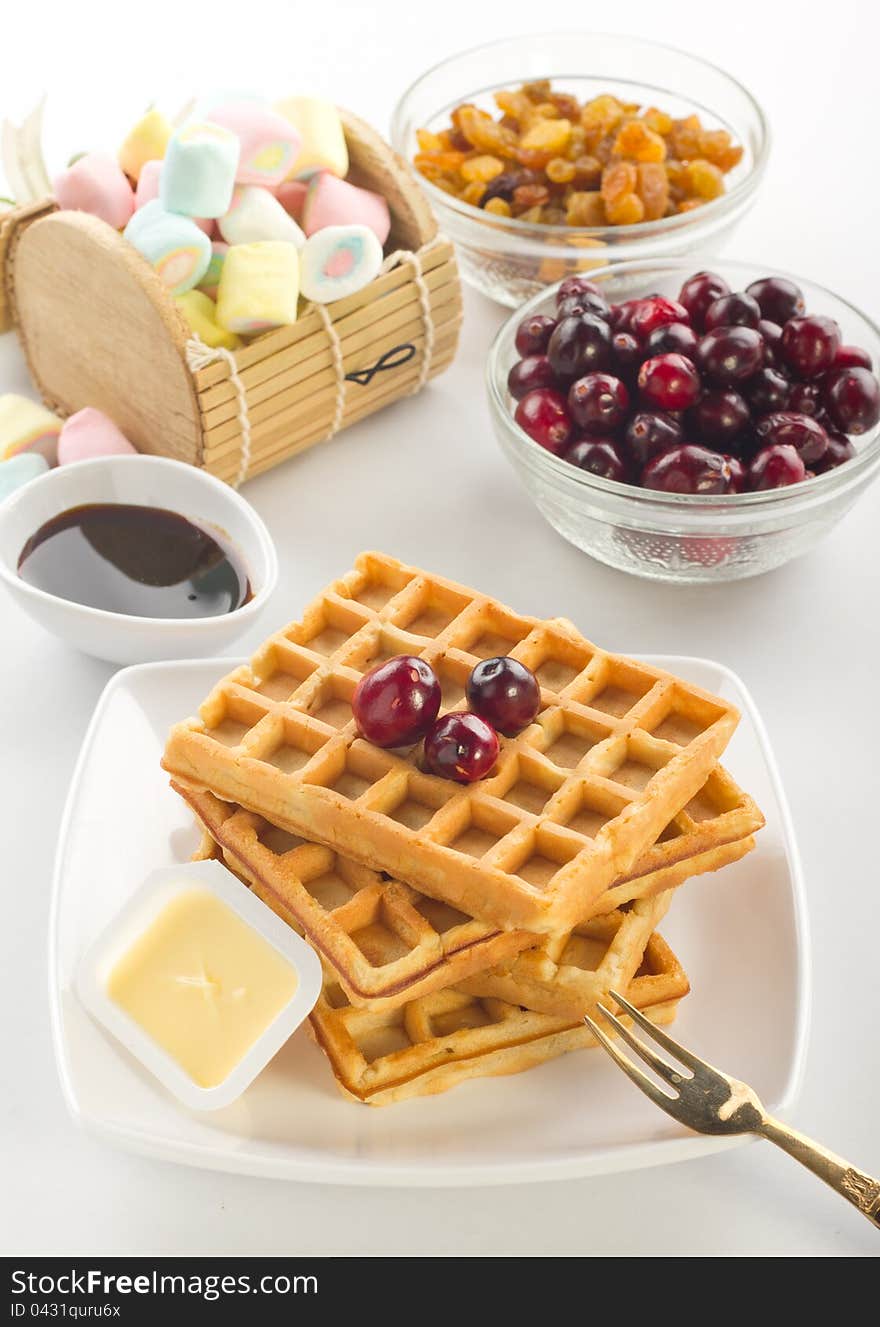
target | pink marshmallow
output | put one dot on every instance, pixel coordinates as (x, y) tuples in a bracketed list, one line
[(270, 144), (90, 433), (148, 189), (97, 184), (292, 197), (334, 202)]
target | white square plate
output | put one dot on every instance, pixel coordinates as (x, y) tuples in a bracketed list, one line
[(741, 936)]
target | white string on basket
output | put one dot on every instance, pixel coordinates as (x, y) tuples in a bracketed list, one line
[(199, 356)]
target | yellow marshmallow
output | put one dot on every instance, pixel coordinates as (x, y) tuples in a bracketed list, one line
[(259, 287), (200, 312), (27, 426), (147, 141), (323, 138)]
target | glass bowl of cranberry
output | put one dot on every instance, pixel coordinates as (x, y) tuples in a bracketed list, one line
[(512, 257), (689, 426)]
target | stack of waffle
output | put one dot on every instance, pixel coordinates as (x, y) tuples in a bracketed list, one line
[(464, 931)]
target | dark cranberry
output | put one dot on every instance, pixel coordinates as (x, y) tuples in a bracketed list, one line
[(736, 310), (599, 456), (648, 433), (776, 467), (575, 305), (739, 475), (698, 292), (809, 344), (669, 382), (671, 339), (576, 285), (598, 402), (579, 345), (767, 390), (852, 357), (544, 416), (692, 469), (654, 312), (777, 298), (730, 354), (772, 334), (786, 428), (533, 334), (806, 399), (719, 417), (396, 703), (505, 693), (840, 449), (462, 747), (852, 399), (620, 315), (528, 374), (626, 353)]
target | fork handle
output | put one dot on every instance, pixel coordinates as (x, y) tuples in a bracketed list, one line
[(862, 1190)]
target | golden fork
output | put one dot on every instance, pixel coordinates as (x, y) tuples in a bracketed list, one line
[(709, 1101)]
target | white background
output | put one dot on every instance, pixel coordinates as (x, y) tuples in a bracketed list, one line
[(424, 480)]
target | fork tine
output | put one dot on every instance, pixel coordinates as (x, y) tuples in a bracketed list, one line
[(662, 1038), (632, 1071), (666, 1071)]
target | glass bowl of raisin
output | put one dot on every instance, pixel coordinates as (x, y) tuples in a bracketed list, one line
[(537, 172), (689, 425)]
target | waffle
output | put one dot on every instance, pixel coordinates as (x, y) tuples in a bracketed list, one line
[(389, 944), (617, 749)]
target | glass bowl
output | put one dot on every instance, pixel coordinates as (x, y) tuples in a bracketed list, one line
[(511, 260), (668, 536)]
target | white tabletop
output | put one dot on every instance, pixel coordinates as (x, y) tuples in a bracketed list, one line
[(425, 481)]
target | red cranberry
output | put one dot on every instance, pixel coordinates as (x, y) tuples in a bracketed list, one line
[(598, 456), (598, 402), (692, 469), (777, 298), (627, 353), (809, 344), (840, 449), (719, 417), (699, 291), (730, 354), (462, 747), (767, 390), (669, 382), (852, 399), (396, 703), (776, 467), (528, 374), (648, 433), (505, 693), (786, 428), (544, 416), (738, 310), (806, 399), (772, 334), (533, 334), (575, 305), (579, 345), (852, 357), (620, 315), (671, 339), (576, 285), (654, 312)]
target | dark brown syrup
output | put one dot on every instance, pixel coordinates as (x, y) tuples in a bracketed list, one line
[(139, 561)]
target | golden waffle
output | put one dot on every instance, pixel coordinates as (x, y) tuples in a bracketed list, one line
[(617, 749), (389, 944)]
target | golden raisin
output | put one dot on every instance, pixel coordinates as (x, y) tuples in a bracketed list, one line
[(639, 143), (560, 171), (704, 179), (530, 195), (483, 133), (715, 146), (473, 193), (499, 207), (429, 142), (684, 138), (602, 113), (585, 209), (659, 121), (542, 141), (481, 168), (618, 180), (653, 189), (625, 210), (587, 172), (514, 104), (537, 90)]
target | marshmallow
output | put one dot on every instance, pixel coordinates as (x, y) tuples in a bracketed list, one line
[(323, 138), (256, 214), (147, 141), (96, 183), (269, 143), (201, 314), (26, 426), (292, 197), (337, 261), (198, 175), (175, 246), (259, 287), (90, 433), (148, 189), (334, 202), (211, 280), (20, 470)]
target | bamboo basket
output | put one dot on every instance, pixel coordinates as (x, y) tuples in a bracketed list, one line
[(98, 328)]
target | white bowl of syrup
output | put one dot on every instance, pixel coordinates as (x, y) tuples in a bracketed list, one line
[(136, 558)]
